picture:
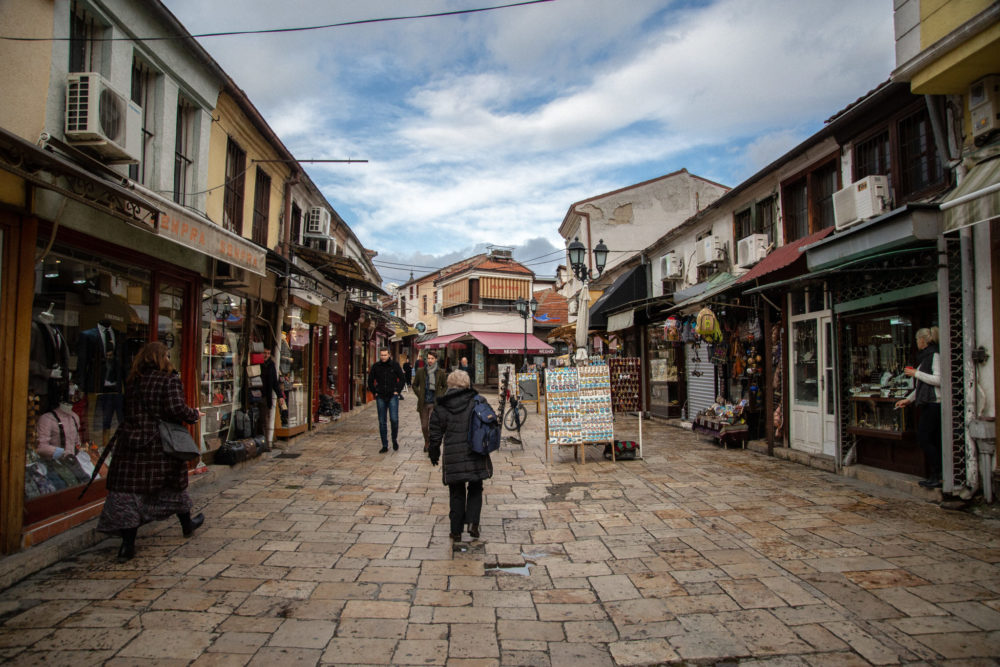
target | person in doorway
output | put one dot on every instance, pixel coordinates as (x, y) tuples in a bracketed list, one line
[(429, 384), (385, 381), (462, 470), (927, 397), (407, 373), (144, 484), (463, 366)]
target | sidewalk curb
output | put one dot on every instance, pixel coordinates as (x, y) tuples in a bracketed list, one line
[(17, 566)]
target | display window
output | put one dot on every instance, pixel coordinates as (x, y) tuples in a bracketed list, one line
[(665, 358), (293, 373), (879, 348), (223, 320), (90, 317)]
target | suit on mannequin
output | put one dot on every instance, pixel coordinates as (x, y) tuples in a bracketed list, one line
[(101, 370), (49, 361)]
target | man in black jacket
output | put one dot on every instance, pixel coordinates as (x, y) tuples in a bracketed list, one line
[(385, 381)]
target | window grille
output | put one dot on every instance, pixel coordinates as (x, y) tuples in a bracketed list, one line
[(232, 209), (183, 149)]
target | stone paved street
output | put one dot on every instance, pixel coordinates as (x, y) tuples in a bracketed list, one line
[(334, 554)]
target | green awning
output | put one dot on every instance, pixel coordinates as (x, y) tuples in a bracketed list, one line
[(976, 199)]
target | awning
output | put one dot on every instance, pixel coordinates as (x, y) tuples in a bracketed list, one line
[(897, 229), (630, 286), (685, 294), (438, 342), (510, 343), (619, 321), (342, 270), (976, 199), (784, 257), (720, 284)]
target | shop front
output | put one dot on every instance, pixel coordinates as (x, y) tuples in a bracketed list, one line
[(489, 351), (665, 357)]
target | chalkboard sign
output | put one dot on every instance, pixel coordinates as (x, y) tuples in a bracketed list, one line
[(527, 387)]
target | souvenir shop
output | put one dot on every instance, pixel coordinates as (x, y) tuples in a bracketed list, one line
[(85, 285)]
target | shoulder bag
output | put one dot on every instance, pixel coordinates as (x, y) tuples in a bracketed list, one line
[(177, 441)]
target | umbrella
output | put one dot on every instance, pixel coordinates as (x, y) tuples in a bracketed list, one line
[(583, 317)]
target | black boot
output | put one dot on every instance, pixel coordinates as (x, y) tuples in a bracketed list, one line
[(126, 551), (188, 524), (474, 529)]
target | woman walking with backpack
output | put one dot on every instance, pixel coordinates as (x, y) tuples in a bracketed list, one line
[(462, 470)]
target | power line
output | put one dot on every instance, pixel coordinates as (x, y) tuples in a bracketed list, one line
[(282, 30)]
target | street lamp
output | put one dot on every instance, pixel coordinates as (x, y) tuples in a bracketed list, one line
[(578, 259), (526, 309)]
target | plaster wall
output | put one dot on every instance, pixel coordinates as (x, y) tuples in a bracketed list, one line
[(25, 67), (482, 320)]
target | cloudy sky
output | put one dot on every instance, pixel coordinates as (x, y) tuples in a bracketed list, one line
[(483, 128)]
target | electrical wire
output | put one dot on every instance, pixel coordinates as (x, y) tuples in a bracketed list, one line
[(231, 33)]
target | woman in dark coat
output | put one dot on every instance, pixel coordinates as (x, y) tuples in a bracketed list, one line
[(462, 470), (144, 484)]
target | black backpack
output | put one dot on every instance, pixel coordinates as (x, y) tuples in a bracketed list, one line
[(484, 427)]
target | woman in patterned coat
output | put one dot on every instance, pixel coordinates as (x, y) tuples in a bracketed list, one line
[(144, 484)]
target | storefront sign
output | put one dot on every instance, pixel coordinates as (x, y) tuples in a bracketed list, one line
[(209, 239)]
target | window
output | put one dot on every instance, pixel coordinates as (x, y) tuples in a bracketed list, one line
[(183, 150), (807, 201), (904, 151), (84, 50), (758, 218), (143, 79), (425, 304), (232, 207), (261, 207), (296, 231)]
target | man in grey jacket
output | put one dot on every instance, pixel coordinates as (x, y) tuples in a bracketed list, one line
[(429, 384)]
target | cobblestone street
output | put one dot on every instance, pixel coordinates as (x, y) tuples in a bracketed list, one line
[(331, 553)]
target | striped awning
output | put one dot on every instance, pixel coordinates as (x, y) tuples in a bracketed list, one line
[(976, 199), (492, 287)]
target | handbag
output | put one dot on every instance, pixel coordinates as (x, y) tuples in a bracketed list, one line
[(177, 441)]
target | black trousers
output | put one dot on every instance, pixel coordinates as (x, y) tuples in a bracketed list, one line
[(929, 438), (466, 506)]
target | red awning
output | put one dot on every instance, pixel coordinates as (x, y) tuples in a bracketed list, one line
[(439, 342), (510, 343), (783, 256)]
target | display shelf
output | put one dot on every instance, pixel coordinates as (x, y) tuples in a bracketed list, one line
[(879, 433)]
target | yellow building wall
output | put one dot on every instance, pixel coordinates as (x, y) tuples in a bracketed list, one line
[(232, 122), (938, 18), (430, 319), (25, 67)]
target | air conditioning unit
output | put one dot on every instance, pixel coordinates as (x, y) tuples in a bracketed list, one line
[(751, 250), (709, 250), (860, 201), (101, 118), (320, 243), (437, 308), (318, 221), (984, 105), (671, 266)]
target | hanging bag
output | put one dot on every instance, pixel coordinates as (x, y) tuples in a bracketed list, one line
[(177, 441)]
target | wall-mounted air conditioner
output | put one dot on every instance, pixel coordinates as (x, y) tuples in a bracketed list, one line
[(437, 308), (671, 266), (321, 243), (101, 118), (860, 201), (709, 250), (750, 250), (318, 221), (984, 105)]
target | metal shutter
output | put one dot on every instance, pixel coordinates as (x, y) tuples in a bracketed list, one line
[(700, 380)]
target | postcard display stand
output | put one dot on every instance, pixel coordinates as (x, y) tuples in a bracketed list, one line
[(578, 408), (626, 388), (527, 389)]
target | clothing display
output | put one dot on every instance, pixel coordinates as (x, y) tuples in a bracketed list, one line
[(100, 359), (49, 362)]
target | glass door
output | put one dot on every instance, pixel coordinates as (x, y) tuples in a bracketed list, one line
[(828, 389), (170, 322)]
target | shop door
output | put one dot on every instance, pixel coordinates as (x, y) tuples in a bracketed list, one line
[(700, 379), (813, 404)]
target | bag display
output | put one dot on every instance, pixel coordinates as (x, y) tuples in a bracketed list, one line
[(484, 427), (708, 326), (253, 371), (258, 357), (177, 441)]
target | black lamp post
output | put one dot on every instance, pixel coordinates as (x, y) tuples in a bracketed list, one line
[(578, 259), (526, 309)]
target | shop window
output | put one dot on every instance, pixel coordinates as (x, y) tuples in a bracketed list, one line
[(809, 299), (236, 166), (261, 207), (223, 322), (90, 317), (903, 150), (144, 94), (183, 150), (807, 201), (85, 47)]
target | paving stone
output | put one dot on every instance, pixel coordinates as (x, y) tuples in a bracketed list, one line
[(473, 640), (529, 630), (706, 638), (871, 648), (369, 628), (162, 643), (282, 657), (642, 652), (239, 642), (762, 633)]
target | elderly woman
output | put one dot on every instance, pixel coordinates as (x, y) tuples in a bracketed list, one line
[(927, 397), (144, 484), (462, 470)]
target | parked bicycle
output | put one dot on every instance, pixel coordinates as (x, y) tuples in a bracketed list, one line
[(516, 414)]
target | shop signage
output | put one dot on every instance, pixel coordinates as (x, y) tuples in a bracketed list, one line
[(210, 239)]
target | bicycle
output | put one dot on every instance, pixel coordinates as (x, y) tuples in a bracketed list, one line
[(517, 414)]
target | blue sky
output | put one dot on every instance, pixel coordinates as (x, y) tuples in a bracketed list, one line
[(484, 128)]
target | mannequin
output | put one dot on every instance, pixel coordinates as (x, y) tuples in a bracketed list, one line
[(49, 360), (55, 442), (101, 373)]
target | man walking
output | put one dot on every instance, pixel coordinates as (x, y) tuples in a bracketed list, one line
[(429, 384), (385, 381)]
